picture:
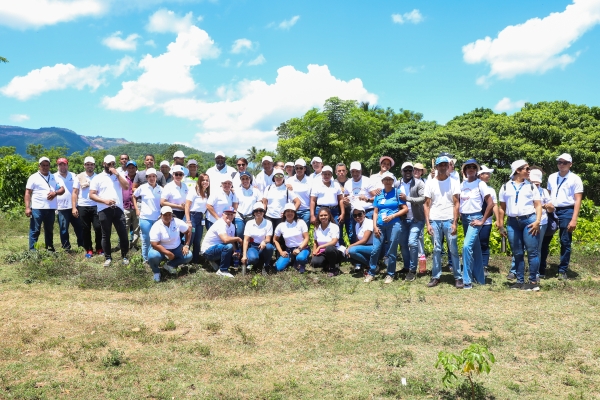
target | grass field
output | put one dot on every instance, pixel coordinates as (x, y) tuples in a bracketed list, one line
[(73, 329)]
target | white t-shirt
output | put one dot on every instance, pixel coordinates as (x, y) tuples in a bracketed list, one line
[(545, 198), (220, 201), (302, 189), (198, 202), (292, 232), (149, 204), (258, 233), (523, 203), (405, 188), (247, 198), (215, 176), (563, 189), (277, 197), (107, 187), (40, 187), (263, 180), (326, 195), (237, 182), (472, 195), (83, 198), (360, 230), (175, 194), (314, 177), (326, 235), (441, 194), (64, 200), (361, 188), (169, 237), (376, 181), (212, 237), (492, 193)]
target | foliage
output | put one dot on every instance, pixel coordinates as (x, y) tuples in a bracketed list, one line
[(3, 60), (14, 171)]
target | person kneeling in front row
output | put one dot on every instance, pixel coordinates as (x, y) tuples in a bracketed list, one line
[(220, 242), (258, 250), (166, 243)]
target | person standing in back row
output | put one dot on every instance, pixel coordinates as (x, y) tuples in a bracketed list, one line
[(65, 206), (566, 192), (86, 210)]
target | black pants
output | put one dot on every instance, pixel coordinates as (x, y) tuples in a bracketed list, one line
[(113, 216), (327, 259), (88, 215)]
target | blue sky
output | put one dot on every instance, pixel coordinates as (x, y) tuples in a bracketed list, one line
[(221, 75)]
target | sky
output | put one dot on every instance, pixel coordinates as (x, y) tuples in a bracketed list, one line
[(223, 74)]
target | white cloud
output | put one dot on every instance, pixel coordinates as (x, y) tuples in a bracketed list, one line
[(288, 23), (413, 17), (258, 60), (506, 104), (59, 77), (240, 45), (164, 21), (19, 117), (116, 42), (535, 46), (166, 75), (26, 14)]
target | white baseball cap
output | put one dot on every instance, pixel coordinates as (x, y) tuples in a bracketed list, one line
[(166, 209), (150, 171), (42, 159), (219, 154), (177, 168), (485, 170), (301, 162), (535, 175), (258, 206), (89, 160), (387, 174), (407, 164), (327, 168), (289, 206), (289, 164), (278, 171), (109, 158), (516, 165), (165, 162), (178, 154), (226, 178), (566, 157), (355, 165), (317, 159), (267, 158)]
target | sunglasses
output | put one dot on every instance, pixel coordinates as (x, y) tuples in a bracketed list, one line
[(522, 168), (278, 176), (407, 170), (178, 174), (298, 168), (259, 210), (562, 162), (358, 215), (471, 166), (241, 165), (112, 164)]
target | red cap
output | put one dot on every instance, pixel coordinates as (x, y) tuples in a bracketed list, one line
[(62, 160)]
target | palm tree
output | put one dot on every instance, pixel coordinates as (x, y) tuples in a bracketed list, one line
[(252, 153), (3, 60)]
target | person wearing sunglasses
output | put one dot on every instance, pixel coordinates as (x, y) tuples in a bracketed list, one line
[(276, 196), (566, 192), (360, 251), (300, 183), (476, 206), (257, 248), (247, 197), (221, 199), (175, 193), (520, 200)]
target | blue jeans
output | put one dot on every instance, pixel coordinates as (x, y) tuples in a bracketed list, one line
[(484, 242), (39, 217), (352, 224), (409, 242), (301, 258), (472, 258), (239, 227), (520, 239), (360, 254), (258, 258), (565, 237), (388, 243), (65, 217), (197, 229), (221, 253), (541, 236), (155, 258), (443, 229), (304, 215), (145, 226)]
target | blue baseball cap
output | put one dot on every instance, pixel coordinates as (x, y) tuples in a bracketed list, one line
[(246, 173), (442, 159), (131, 163)]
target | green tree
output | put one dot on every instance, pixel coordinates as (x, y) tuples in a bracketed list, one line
[(3, 60), (7, 151), (53, 153)]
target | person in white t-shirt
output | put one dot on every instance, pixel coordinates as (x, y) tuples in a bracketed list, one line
[(179, 159), (289, 169), (265, 177), (276, 196), (86, 210), (301, 184), (242, 166), (326, 192), (360, 251), (535, 176), (485, 174), (294, 231), (65, 205), (147, 208), (385, 165), (41, 203), (361, 193), (257, 249), (317, 165), (326, 247), (441, 218), (220, 243), (106, 189), (219, 171), (165, 238), (195, 211), (175, 192), (566, 191), (520, 201), (247, 197), (220, 199), (476, 206)]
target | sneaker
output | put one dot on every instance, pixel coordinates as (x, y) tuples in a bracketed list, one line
[(100, 252), (125, 261), (433, 282), (459, 284), (562, 276), (517, 286), (89, 254), (157, 277), (368, 278), (357, 267), (404, 271), (485, 272), (511, 276), (107, 262), (224, 273), (388, 279), (214, 264), (531, 287), (171, 270), (411, 276), (468, 286)]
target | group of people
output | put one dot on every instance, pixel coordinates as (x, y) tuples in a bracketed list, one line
[(250, 218)]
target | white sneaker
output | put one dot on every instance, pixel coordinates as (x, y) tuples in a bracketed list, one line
[(368, 278), (107, 262), (225, 274), (388, 279), (171, 270), (125, 261)]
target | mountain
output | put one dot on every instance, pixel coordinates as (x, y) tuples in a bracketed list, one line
[(53, 137)]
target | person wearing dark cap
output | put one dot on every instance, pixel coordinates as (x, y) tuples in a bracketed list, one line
[(65, 206), (132, 222)]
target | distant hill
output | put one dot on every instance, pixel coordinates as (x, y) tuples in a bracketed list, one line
[(54, 137)]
